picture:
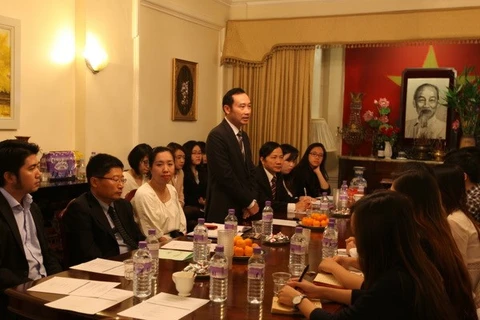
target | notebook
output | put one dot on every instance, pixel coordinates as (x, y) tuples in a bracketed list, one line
[(279, 308), (328, 279)]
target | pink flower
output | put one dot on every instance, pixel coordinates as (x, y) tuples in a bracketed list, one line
[(367, 116), (455, 125), (383, 103), (383, 119)]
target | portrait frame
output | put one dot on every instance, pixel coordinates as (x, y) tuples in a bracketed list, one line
[(184, 93), (413, 78), (10, 73)]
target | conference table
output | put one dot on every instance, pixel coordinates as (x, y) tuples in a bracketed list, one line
[(30, 304)]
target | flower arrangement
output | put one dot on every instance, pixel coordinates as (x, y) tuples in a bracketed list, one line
[(379, 124)]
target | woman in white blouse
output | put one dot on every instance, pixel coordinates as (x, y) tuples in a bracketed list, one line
[(139, 168), (156, 204), (465, 231)]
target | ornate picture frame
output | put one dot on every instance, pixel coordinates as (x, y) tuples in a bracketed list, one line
[(9, 73), (184, 95), (423, 114)]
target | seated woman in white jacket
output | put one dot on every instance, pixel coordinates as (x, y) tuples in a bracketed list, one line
[(156, 204)]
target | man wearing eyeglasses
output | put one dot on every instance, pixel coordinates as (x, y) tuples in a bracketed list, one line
[(426, 124), (99, 223)]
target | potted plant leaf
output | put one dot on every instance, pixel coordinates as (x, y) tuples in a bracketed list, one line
[(464, 98)]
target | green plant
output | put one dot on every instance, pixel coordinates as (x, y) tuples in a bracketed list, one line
[(464, 98)]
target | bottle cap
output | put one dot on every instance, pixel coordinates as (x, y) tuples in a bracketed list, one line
[(142, 244), (298, 230), (324, 194), (231, 211), (201, 221), (219, 248), (331, 221), (268, 203), (152, 232), (257, 250)]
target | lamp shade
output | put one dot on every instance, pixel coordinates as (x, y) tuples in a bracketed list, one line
[(320, 132)]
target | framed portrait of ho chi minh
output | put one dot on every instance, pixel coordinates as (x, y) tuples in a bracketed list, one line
[(9, 73), (184, 106), (424, 113)]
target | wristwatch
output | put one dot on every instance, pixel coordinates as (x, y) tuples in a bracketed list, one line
[(297, 300)]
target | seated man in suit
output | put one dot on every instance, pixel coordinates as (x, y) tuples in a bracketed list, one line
[(270, 181), (24, 251), (99, 223)]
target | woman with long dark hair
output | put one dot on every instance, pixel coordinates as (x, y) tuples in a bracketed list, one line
[(177, 178), (310, 177), (400, 281), (450, 179), (138, 172)]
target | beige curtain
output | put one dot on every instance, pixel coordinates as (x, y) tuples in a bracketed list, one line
[(280, 89)]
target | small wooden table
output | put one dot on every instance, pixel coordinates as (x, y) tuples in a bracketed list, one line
[(31, 304)]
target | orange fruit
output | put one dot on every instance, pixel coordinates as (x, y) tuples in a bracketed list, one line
[(323, 223), (316, 223), (236, 238), (240, 243), (248, 242), (248, 251), (255, 245), (238, 252)]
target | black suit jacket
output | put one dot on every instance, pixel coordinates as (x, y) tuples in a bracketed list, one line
[(193, 191), (88, 232), (13, 262), (280, 203), (231, 179)]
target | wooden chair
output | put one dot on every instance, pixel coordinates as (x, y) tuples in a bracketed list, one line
[(129, 196), (63, 235)]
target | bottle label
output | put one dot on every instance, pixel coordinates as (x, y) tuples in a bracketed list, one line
[(268, 217), (141, 268), (324, 206), (218, 272), (200, 237), (256, 272), (297, 248), (381, 153)]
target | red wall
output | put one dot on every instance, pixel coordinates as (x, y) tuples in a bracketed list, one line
[(367, 71)]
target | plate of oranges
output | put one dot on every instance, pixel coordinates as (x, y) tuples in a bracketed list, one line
[(243, 248), (315, 222)]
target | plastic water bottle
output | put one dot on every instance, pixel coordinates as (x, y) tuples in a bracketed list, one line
[(200, 243), (81, 171), (324, 204), (330, 240), (218, 276), (45, 175), (298, 252), (343, 196), (142, 271), (231, 219), (256, 277), (267, 219), (153, 246)]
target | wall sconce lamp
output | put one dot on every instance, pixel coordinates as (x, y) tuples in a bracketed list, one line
[(95, 56)]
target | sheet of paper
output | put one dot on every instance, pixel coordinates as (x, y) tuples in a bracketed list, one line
[(213, 233), (169, 306), (327, 278), (98, 265), (59, 285), (174, 254), (184, 245), (117, 271), (94, 289), (287, 223), (89, 305)]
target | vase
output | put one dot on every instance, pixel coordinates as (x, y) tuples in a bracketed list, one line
[(388, 150), (467, 141)]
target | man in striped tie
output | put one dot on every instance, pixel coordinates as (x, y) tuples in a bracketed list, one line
[(99, 223)]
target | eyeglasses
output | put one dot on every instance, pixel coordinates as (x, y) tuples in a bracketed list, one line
[(114, 179), (316, 155)]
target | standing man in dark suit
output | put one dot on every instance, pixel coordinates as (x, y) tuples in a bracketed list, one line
[(231, 172), (24, 251), (99, 223)]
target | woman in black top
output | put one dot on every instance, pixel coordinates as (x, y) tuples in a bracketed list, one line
[(310, 177), (400, 280)]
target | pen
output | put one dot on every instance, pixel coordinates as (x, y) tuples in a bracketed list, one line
[(305, 191), (303, 273)]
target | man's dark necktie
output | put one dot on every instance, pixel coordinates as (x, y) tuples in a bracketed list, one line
[(119, 227), (273, 185), (240, 143)]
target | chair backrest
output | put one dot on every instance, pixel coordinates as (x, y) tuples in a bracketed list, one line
[(63, 235), (129, 196)]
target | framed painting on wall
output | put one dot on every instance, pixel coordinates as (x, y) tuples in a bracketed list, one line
[(9, 73), (424, 115), (184, 106)]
